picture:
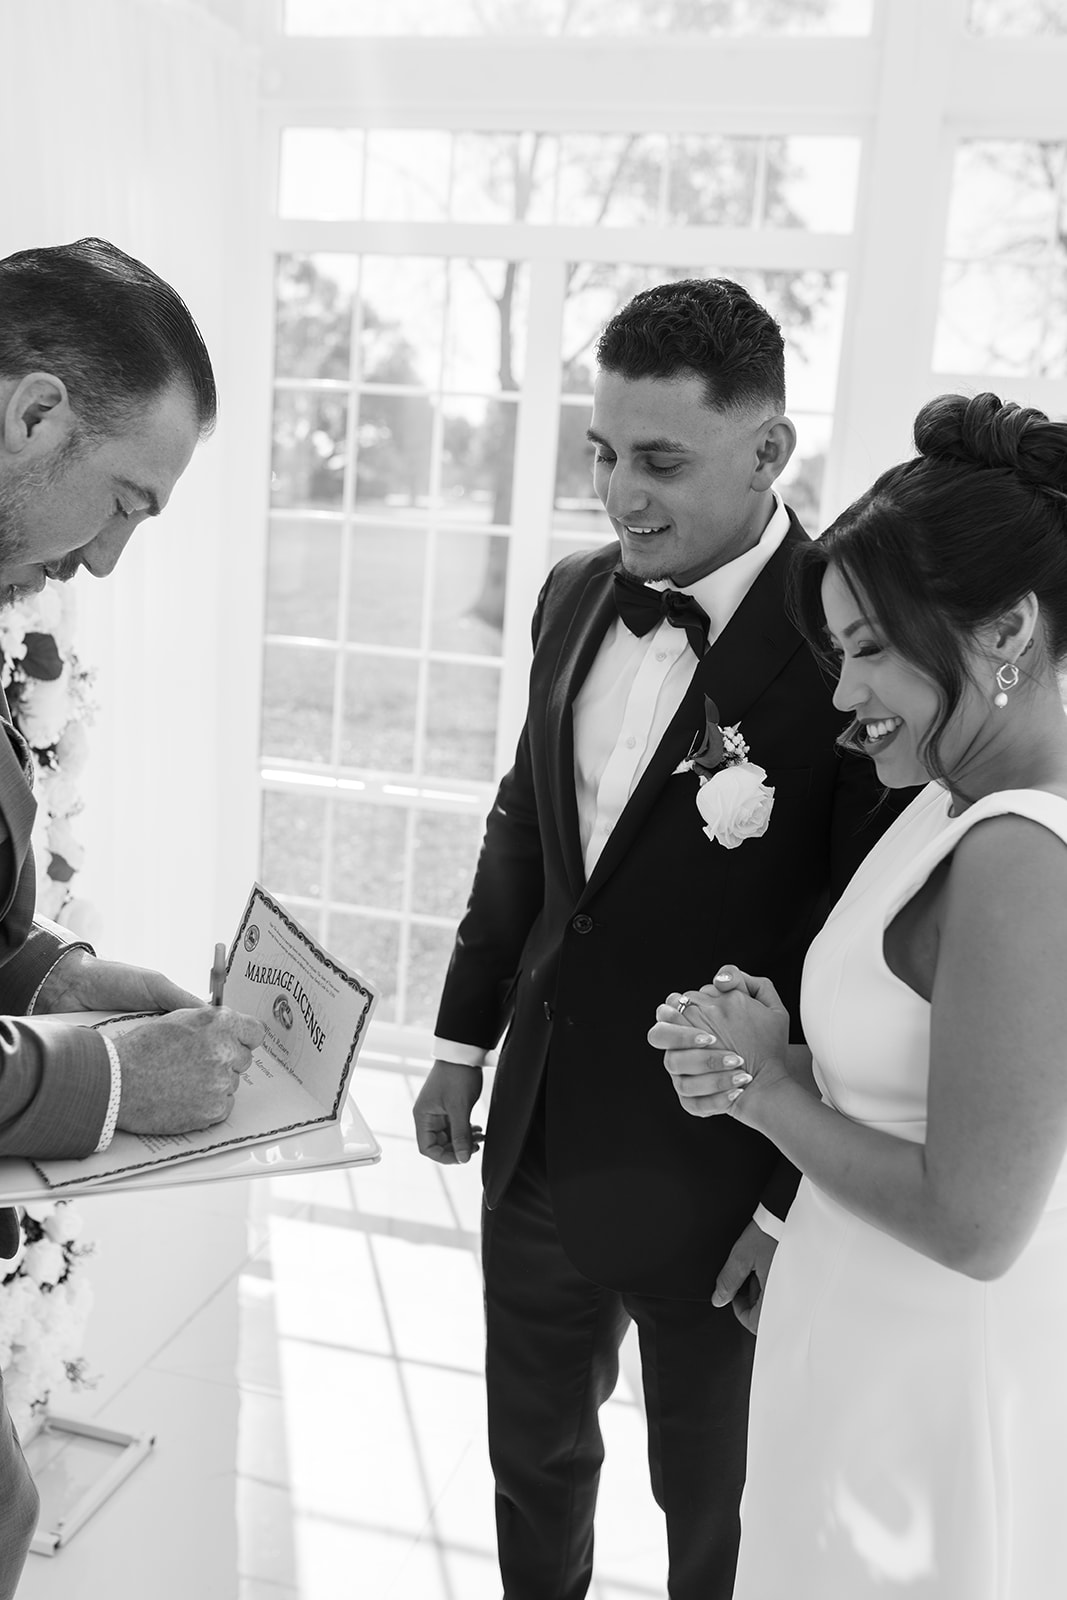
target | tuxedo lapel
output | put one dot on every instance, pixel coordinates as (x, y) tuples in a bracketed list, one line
[(743, 660), (588, 624)]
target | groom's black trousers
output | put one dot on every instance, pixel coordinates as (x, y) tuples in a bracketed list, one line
[(553, 1339)]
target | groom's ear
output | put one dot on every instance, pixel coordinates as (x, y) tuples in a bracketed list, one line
[(776, 441)]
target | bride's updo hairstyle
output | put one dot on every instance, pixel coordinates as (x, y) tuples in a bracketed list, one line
[(949, 541)]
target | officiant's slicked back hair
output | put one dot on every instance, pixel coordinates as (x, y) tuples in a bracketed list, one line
[(948, 542), (709, 328), (109, 327)]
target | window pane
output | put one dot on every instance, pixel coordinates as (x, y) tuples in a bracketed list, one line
[(801, 483), (379, 713), (810, 308), (402, 320), (303, 577), (996, 317), (309, 449), (446, 852), (371, 945), (1004, 287), (468, 607), (385, 587), (429, 950), (294, 827), (613, 178), (478, 459), (321, 173), (368, 855), (503, 177), (408, 174), (1008, 197), (314, 298), (812, 183), (297, 702), (712, 181), (461, 719), (485, 344), (394, 439), (576, 504)]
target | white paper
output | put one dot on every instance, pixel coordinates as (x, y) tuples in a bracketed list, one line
[(316, 1014)]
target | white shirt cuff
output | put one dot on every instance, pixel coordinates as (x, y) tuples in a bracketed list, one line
[(107, 1133), (460, 1055), (768, 1222)]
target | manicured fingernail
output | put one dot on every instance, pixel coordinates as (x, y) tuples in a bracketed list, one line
[(734, 1094), (733, 1061), (742, 1078), (721, 977), (704, 1038)]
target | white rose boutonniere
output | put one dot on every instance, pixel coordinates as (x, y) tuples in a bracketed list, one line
[(733, 799)]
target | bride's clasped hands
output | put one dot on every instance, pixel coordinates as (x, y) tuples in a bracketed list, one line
[(725, 1045)]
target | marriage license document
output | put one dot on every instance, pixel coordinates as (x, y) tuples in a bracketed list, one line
[(316, 1014)]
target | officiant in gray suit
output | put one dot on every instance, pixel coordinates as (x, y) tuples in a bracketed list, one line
[(105, 389)]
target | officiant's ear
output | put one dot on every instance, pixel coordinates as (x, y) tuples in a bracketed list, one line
[(37, 416), (776, 440)]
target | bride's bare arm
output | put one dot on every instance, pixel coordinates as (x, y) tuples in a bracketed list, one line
[(971, 1195)]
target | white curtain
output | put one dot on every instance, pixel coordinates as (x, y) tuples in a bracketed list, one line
[(136, 120)]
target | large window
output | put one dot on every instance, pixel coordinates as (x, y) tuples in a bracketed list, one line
[(451, 231)]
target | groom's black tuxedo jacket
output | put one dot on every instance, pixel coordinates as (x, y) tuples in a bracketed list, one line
[(648, 1199)]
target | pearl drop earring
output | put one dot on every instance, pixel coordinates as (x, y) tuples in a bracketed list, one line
[(1007, 678)]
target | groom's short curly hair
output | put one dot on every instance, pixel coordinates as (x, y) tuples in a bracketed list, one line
[(709, 328)]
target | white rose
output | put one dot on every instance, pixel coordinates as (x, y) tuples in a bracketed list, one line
[(72, 751), (46, 710), (62, 842), (63, 1225), (735, 804), (44, 1262)]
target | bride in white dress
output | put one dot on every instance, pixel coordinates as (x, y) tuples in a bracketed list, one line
[(908, 1432)]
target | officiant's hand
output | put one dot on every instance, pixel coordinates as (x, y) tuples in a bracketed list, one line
[(744, 1275), (82, 982), (181, 1072), (442, 1111)]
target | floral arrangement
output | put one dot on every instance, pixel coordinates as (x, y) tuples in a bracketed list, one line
[(45, 1298), (44, 1304), (732, 798), (49, 695)]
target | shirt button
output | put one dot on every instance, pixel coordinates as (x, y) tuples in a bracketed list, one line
[(661, 655), (582, 923), (631, 741)]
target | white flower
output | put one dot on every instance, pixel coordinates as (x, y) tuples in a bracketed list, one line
[(735, 804), (63, 1225), (44, 1261), (72, 752), (61, 842), (45, 710)]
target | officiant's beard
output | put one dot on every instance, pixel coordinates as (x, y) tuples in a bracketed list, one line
[(17, 493)]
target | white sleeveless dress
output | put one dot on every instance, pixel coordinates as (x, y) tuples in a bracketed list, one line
[(908, 1433)]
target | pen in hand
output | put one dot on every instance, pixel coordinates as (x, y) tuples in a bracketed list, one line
[(218, 974)]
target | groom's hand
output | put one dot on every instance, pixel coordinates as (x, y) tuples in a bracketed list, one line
[(442, 1111), (744, 1276)]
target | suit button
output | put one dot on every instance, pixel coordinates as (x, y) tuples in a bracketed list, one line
[(548, 1012), (582, 923)]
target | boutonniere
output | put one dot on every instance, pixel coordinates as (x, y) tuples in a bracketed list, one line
[(732, 798)]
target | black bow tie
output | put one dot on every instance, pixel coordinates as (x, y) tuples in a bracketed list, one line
[(643, 609)]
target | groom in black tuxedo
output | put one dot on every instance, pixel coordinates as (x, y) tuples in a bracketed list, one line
[(596, 893)]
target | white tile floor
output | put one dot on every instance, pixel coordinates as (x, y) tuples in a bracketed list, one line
[(308, 1353)]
